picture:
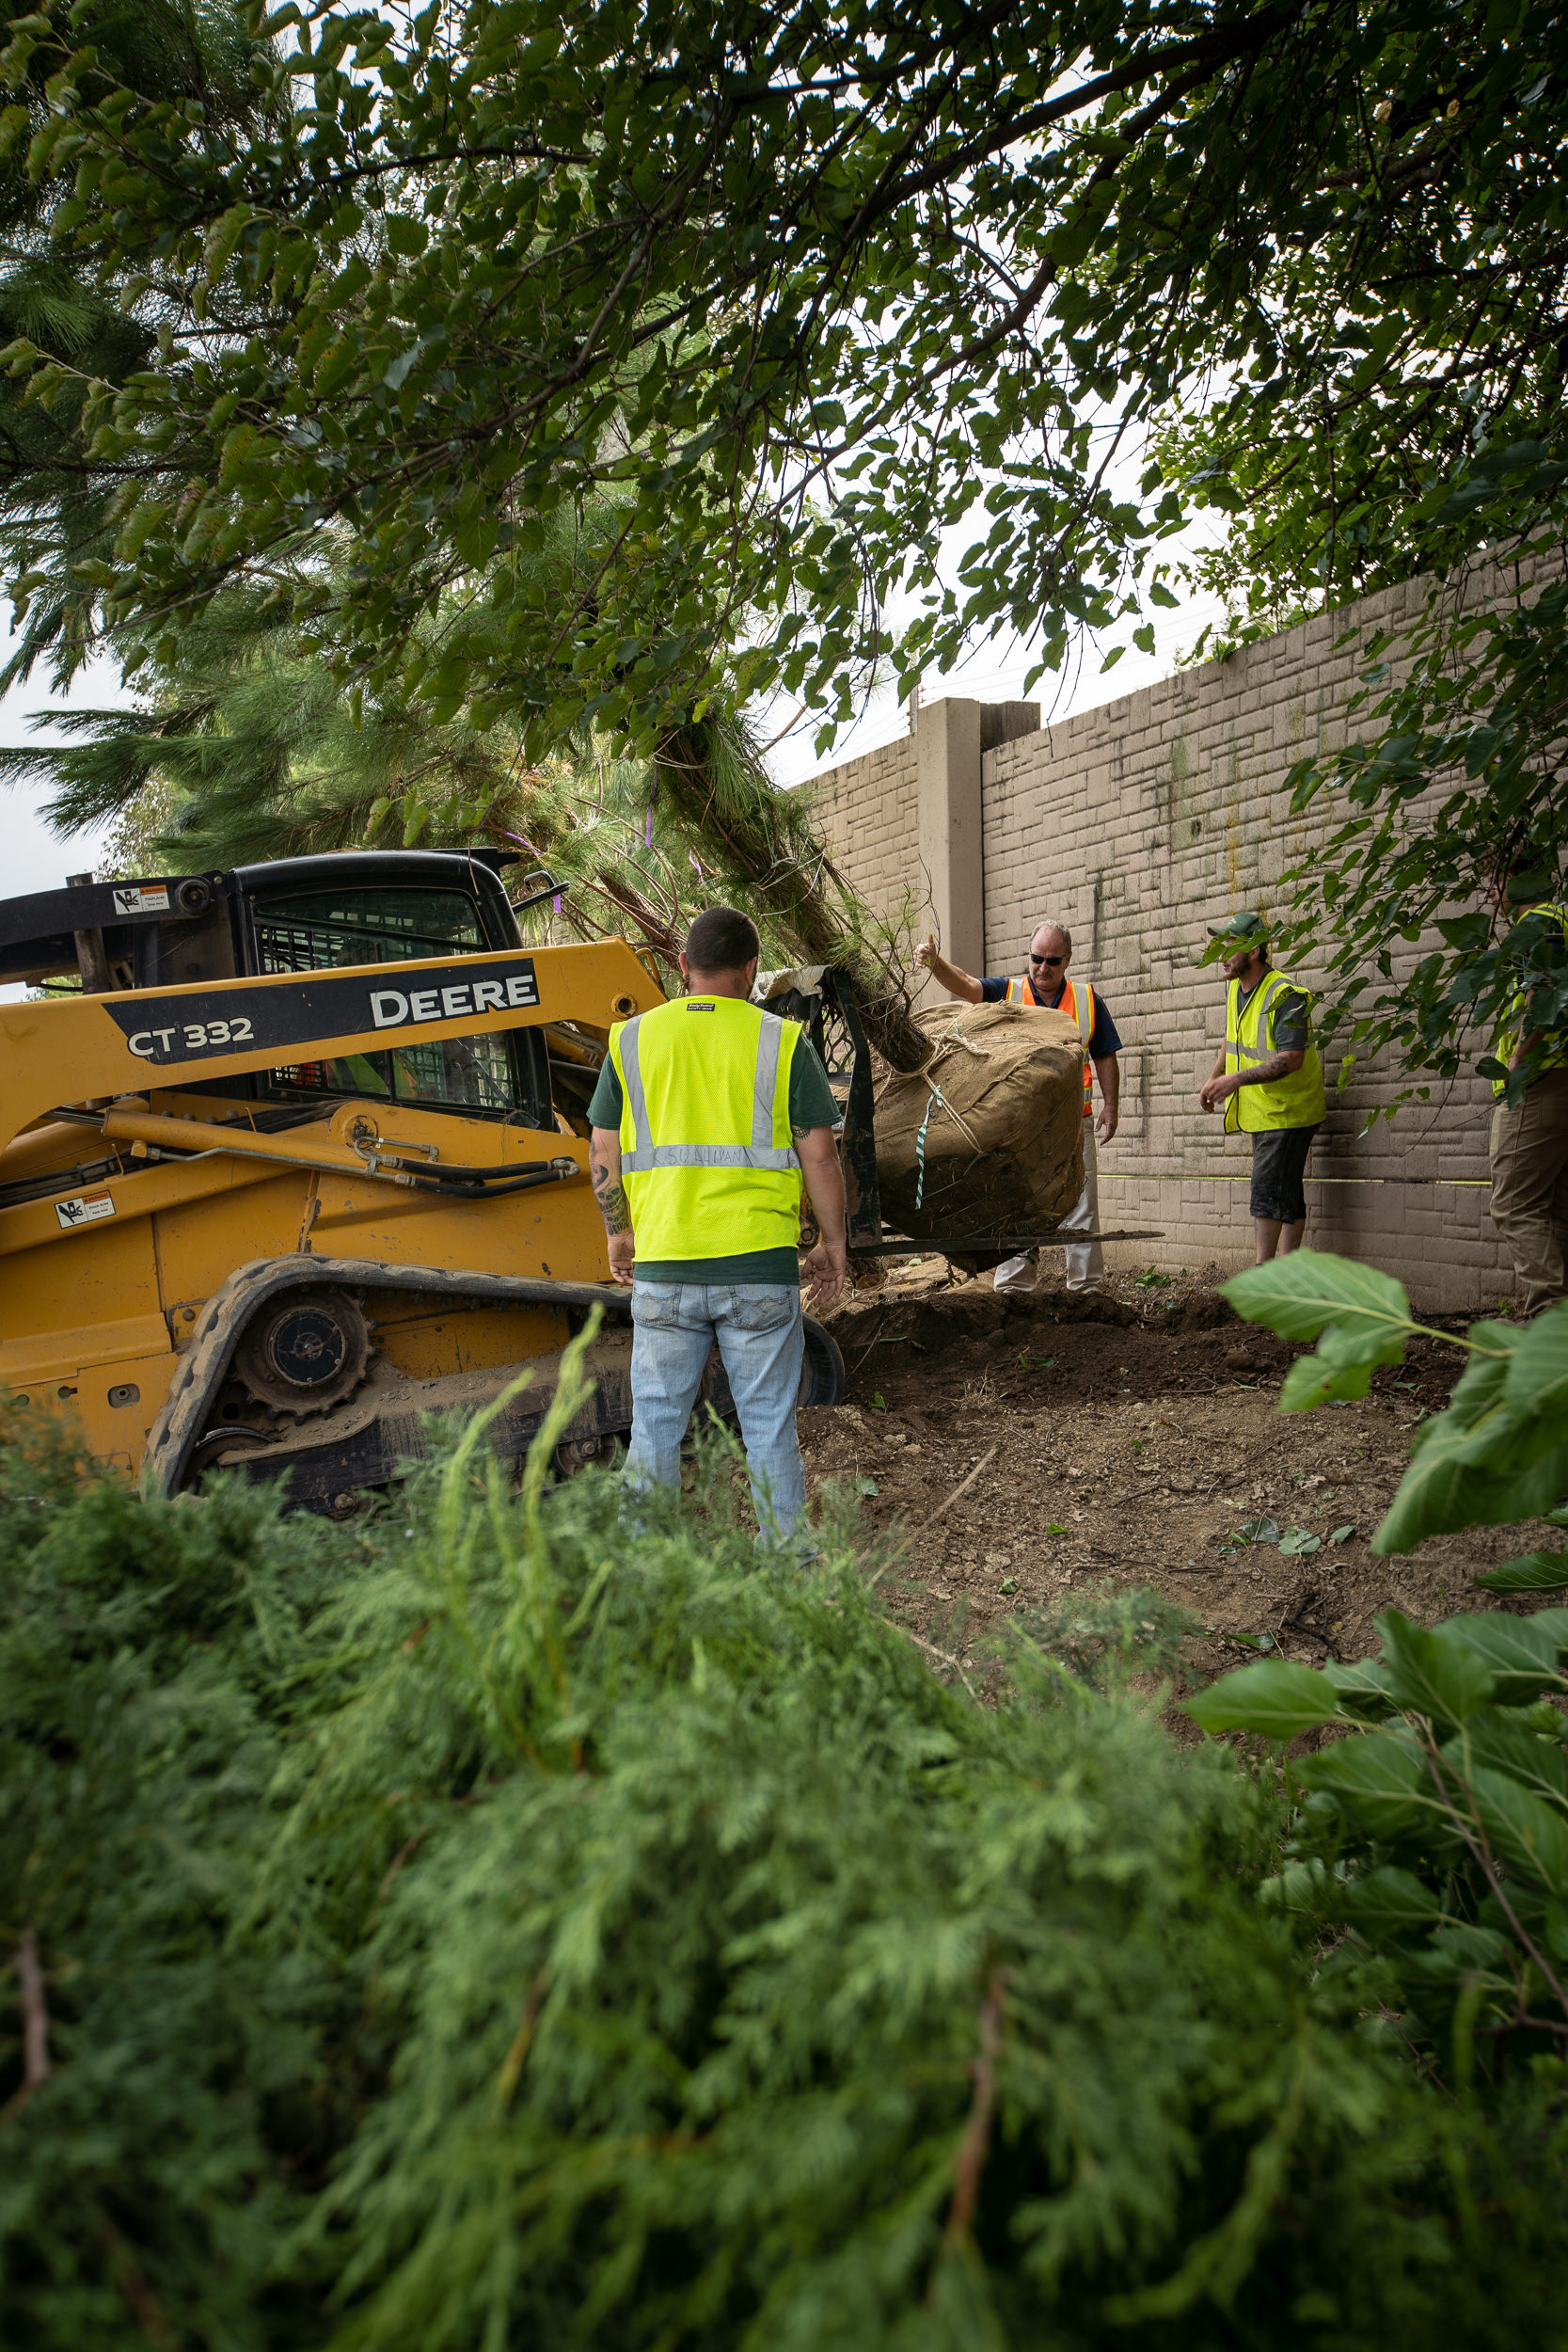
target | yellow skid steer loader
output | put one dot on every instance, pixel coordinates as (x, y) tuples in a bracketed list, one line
[(302, 1159)]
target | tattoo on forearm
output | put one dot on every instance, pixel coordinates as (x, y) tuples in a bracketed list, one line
[(1263, 1073), (610, 1195)]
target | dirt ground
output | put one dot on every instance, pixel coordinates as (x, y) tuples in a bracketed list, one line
[(1027, 1448)]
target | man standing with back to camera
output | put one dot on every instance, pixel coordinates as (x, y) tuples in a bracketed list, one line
[(1047, 987), (707, 1113)]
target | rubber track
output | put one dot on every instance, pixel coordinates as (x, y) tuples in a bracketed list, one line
[(201, 1373)]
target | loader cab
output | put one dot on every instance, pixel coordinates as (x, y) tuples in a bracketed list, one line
[(302, 914), (319, 913)]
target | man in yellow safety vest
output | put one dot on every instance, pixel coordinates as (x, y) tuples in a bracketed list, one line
[(1530, 1136), (1047, 985), (1269, 1077), (707, 1116)]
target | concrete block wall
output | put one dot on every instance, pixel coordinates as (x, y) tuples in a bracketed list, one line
[(869, 814), (1144, 821), (1138, 824)]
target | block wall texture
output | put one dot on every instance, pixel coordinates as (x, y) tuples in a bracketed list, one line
[(1141, 823), (1138, 824), (868, 813)]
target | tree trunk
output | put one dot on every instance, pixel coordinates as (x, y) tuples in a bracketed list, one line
[(765, 837)]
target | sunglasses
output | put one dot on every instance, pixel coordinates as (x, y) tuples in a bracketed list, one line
[(1034, 959)]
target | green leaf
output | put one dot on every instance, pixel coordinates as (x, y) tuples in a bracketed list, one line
[(1430, 1675), (1521, 1654), (1532, 1572), (1303, 1885), (1523, 1832), (1311, 1381), (1504, 1745), (1538, 1367), (1303, 1293), (1297, 1540), (1475, 1466), (222, 238), (1459, 1952), (1381, 1780), (1344, 1534), (1362, 1688), (1274, 1698), (1388, 1901)]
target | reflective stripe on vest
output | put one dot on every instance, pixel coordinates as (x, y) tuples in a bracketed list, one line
[(761, 1151), (1297, 1099), (707, 1153), (1079, 1011)]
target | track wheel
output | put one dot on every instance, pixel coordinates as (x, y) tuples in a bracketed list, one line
[(306, 1351), (822, 1373), (574, 1454)]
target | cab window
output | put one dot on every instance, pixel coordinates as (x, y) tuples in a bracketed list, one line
[(494, 1075)]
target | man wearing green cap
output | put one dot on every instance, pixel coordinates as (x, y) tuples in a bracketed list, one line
[(1529, 1142), (1269, 1077)]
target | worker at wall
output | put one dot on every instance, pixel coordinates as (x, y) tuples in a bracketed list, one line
[(1269, 1076), (707, 1113), (1529, 1133), (1048, 986)]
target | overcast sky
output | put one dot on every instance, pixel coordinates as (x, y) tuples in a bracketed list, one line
[(31, 856), (34, 858), (995, 674)]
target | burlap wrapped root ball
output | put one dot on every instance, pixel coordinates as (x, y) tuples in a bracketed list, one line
[(1002, 1102)]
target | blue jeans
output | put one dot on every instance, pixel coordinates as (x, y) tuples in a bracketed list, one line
[(762, 1341)]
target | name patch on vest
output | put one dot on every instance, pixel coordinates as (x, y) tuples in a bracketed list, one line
[(702, 1008)]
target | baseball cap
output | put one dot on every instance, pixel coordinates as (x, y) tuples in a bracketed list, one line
[(1228, 939)]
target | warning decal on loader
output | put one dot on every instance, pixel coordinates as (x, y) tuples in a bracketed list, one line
[(286, 1013), (84, 1208)]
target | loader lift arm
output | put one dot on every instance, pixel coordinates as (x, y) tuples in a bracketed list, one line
[(72, 1049)]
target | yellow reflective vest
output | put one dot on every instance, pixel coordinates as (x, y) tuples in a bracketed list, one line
[(706, 1156), (1506, 1042), (1296, 1101)]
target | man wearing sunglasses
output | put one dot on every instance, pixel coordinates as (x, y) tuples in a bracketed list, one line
[(1046, 985)]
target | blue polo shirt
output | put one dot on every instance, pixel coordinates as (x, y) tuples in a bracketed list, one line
[(1104, 1040)]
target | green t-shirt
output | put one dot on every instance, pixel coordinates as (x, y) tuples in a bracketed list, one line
[(811, 1104)]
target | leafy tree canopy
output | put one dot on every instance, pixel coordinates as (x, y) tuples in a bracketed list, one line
[(802, 287), (590, 366)]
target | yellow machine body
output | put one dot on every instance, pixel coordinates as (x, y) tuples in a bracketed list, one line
[(106, 1282)]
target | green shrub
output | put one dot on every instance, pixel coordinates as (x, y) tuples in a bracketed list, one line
[(142, 2194), (511, 1923), (1429, 1850)]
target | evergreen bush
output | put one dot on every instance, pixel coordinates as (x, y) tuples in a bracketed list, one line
[(510, 1921)]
